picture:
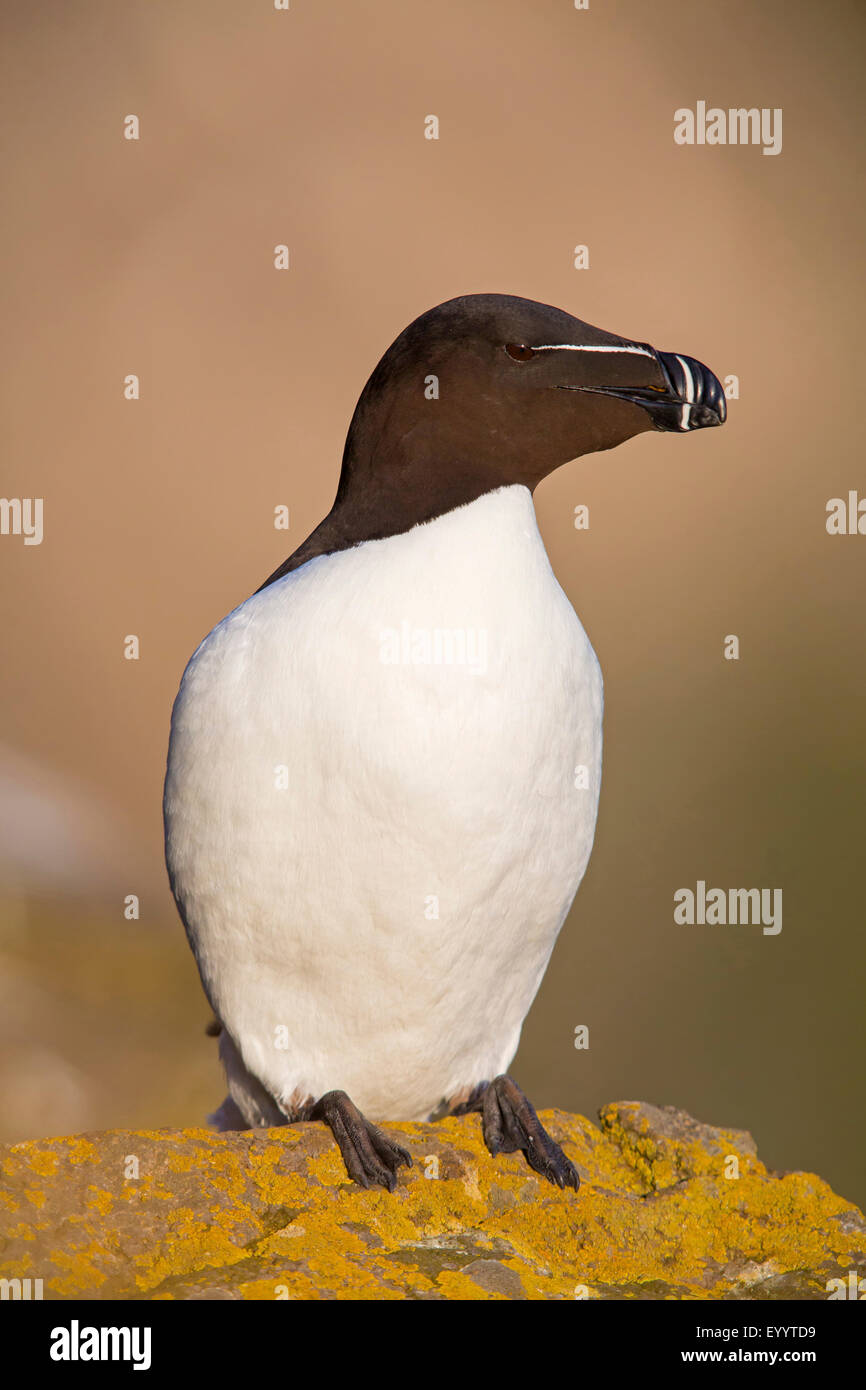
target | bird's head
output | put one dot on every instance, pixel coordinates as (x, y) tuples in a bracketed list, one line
[(489, 390)]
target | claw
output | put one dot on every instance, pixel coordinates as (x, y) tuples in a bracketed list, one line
[(509, 1123), (371, 1158)]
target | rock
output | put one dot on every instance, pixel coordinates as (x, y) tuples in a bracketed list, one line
[(668, 1208)]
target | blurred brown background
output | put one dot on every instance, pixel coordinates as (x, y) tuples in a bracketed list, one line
[(156, 257)]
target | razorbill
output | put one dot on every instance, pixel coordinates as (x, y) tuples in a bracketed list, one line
[(373, 826)]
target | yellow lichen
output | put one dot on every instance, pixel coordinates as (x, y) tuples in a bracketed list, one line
[(655, 1216), (80, 1150), (41, 1161), (99, 1200)]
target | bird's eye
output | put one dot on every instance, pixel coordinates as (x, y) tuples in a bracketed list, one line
[(519, 351)]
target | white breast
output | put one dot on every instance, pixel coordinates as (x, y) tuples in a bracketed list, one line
[(375, 818)]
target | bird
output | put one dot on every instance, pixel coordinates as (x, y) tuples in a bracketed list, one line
[(373, 827)]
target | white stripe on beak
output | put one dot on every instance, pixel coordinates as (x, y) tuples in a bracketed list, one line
[(690, 392)]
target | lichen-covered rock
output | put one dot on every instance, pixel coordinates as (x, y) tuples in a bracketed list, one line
[(668, 1208)]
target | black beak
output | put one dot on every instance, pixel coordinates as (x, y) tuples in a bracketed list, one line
[(695, 396), (692, 397)]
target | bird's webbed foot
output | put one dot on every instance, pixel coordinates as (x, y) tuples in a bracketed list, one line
[(509, 1123), (371, 1158)]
